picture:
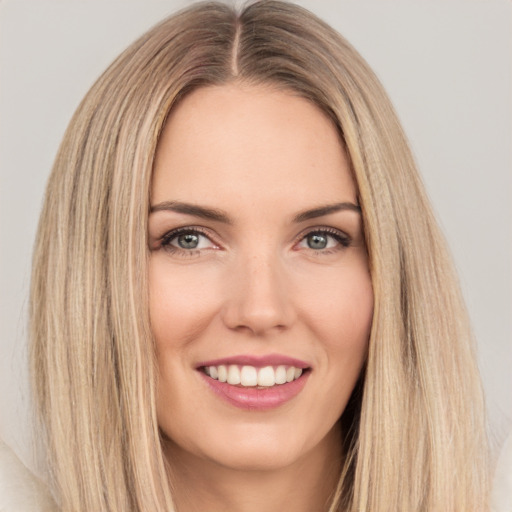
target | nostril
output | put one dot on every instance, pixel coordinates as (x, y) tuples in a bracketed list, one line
[(257, 317)]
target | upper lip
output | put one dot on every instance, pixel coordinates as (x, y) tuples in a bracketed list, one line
[(257, 361)]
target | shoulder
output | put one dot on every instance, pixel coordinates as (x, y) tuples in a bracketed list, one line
[(20, 489), (502, 489)]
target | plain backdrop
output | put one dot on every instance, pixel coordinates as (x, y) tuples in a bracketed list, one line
[(447, 65)]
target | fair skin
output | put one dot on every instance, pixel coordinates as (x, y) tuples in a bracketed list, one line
[(270, 271)]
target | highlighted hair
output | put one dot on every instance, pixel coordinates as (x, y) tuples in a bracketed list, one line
[(415, 432)]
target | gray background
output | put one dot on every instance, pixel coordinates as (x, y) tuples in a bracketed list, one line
[(447, 65)]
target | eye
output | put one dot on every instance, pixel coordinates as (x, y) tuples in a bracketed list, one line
[(187, 240), (324, 240)]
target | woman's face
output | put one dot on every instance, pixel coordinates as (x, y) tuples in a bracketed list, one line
[(258, 275)]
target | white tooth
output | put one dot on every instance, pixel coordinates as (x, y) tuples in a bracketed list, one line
[(222, 373), (266, 376), (207, 370), (248, 376), (280, 375), (297, 373), (214, 374), (290, 373), (233, 374)]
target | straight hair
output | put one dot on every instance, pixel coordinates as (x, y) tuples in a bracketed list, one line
[(414, 428)]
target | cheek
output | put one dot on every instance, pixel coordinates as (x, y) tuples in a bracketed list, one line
[(340, 309), (179, 302), (349, 323), (342, 324), (180, 307)]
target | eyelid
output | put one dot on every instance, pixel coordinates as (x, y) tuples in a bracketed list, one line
[(340, 236), (344, 240), (168, 236)]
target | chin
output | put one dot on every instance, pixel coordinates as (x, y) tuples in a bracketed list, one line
[(256, 456), (256, 447)]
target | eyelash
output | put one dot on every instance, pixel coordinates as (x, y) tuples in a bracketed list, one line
[(342, 239), (165, 241)]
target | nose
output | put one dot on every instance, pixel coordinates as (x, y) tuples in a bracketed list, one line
[(258, 299)]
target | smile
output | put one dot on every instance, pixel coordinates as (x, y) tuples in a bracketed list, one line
[(256, 383), (251, 376)]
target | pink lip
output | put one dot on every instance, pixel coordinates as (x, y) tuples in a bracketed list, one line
[(257, 361), (256, 399)]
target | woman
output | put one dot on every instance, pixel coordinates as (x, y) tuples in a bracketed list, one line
[(240, 298)]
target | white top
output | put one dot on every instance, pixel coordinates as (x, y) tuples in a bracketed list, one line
[(20, 489), (502, 489)]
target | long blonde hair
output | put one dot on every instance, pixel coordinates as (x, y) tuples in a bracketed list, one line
[(415, 433)]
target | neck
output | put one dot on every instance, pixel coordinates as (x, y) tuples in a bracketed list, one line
[(307, 484)]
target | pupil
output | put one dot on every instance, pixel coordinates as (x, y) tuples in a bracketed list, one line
[(188, 241), (317, 241)]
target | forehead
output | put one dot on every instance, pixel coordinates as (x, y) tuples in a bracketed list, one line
[(251, 142)]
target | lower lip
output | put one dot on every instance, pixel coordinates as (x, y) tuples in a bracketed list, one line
[(257, 399)]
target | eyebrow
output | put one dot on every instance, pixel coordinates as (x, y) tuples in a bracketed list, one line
[(221, 216), (326, 210), (192, 209)]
